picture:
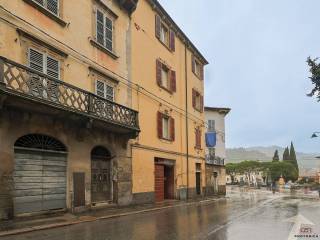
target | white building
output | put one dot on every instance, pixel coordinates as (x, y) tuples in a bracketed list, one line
[(215, 150)]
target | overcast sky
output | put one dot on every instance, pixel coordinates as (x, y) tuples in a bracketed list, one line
[(257, 51)]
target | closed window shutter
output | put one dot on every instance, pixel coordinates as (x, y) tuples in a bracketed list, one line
[(193, 64), (201, 103), (109, 92), (194, 93), (100, 89), (159, 124), (100, 28), (172, 41), (108, 32), (53, 6), (199, 138), (158, 72), (158, 26), (36, 60), (52, 68), (201, 73), (172, 129), (173, 81)]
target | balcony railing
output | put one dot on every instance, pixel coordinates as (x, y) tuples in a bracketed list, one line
[(214, 160), (17, 79)]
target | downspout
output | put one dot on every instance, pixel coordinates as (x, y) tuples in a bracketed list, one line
[(187, 125)]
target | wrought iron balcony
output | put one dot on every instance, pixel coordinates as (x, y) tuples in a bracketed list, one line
[(19, 80), (213, 160)]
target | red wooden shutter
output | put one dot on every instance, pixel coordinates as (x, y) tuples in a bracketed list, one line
[(172, 129), (158, 26), (172, 41), (159, 124), (193, 64), (194, 93), (199, 138), (173, 81), (158, 72), (202, 72), (201, 103)]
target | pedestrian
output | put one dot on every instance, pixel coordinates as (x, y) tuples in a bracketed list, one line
[(273, 187), (319, 191)]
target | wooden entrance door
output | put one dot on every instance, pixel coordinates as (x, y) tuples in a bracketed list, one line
[(198, 183), (101, 180), (159, 182)]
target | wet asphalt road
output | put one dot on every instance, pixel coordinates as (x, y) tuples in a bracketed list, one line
[(241, 216)]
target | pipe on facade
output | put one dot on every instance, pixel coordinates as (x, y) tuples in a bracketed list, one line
[(187, 125)]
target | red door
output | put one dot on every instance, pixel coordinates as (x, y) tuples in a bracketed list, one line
[(159, 182)]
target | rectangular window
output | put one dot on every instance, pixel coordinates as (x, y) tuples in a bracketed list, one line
[(212, 153), (44, 63), (211, 126), (50, 5), (197, 68), (198, 138), (104, 30), (164, 35), (104, 90), (197, 100), (166, 78), (165, 128)]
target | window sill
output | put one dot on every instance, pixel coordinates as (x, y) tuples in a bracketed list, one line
[(166, 140), (166, 89), (103, 49), (198, 110), (46, 12)]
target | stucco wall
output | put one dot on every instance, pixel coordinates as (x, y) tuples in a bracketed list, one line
[(79, 141)]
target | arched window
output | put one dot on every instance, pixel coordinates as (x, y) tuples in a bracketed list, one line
[(39, 141)]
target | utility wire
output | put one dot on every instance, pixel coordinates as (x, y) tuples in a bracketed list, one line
[(155, 97)]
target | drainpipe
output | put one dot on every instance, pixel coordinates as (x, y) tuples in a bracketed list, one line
[(187, 125)]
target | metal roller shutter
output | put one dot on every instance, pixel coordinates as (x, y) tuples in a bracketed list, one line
[(39, 181)]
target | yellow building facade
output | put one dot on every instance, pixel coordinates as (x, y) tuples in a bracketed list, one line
[(168, 72), (101, 102)]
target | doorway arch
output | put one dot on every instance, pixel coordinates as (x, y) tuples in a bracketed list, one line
[(40, 171), (101, 175)]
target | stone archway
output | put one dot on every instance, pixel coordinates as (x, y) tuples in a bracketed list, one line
[(40, 173), (101, 175)]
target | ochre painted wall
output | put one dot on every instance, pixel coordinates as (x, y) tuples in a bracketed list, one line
[(146, 48)]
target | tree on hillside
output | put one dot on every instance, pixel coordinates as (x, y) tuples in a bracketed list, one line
[(286, 154), (315, 77), (276, 156), (293, 157), (284, 169)]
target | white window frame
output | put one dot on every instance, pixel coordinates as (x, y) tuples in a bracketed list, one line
[(165, 71), (105, 85), (197, 68), (45, 5), (104, 30), (44, 64)]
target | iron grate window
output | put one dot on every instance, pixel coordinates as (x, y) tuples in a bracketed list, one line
[(38, 141)]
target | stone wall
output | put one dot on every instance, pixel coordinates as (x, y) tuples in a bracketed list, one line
[(79, 139)]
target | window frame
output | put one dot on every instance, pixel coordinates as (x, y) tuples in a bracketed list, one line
[(44, 62), (105, 85), (168, 132), (166, 40), (210, 128), (105, 39)]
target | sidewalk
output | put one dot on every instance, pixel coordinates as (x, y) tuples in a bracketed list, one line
[(35, 223)]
